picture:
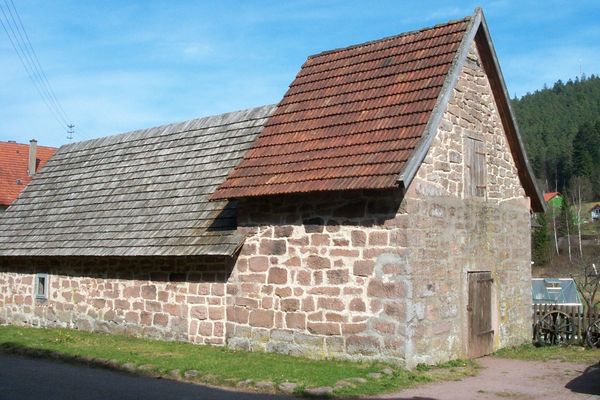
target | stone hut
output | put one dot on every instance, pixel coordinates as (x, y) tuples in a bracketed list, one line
[(379, 211)]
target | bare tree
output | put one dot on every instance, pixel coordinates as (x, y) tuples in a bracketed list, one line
[(579, 218), (587, 278), (554, 228), (587, 270), (580, 190), (567, 225)]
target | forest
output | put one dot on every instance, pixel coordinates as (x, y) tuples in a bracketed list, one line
[(560, 127)]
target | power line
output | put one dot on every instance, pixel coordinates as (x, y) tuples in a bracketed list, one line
[(25, 65), (35, 67), (35, 59), (21, 43), (14, 40)]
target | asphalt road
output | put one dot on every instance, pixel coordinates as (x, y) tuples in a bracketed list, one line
[(34, 379)]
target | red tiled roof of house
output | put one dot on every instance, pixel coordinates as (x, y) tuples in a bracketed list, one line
[(352, 118), (550, 195), (14, 161)]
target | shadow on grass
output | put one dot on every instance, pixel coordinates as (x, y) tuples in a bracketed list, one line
[(588, 382), (130, 371)]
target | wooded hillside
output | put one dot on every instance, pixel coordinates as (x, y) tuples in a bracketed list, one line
[(561, 130)]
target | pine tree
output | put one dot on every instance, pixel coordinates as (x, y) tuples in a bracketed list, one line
[(560, 127), (540, 241), (583, 162)]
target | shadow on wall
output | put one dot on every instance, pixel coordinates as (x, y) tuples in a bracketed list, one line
[(365, 208), (225, 220), (195, 269), (588, 382)]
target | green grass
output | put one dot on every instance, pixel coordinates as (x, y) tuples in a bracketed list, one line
[(218, 365), (573, 354)]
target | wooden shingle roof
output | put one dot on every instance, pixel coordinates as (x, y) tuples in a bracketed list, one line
[(364, 117), (139, 193), (351, 118)]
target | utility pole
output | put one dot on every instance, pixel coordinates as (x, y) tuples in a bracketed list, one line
[(70, 131)]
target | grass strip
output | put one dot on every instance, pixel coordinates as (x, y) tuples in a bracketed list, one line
[(573, 354), (221, 366)]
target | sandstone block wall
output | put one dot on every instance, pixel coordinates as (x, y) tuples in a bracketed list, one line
[(168, 298), (321, 275), (454, 234)]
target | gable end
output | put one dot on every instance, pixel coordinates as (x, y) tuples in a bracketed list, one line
[(479, 33)]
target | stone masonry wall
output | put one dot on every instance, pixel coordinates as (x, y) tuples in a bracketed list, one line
[(452, 234), (321, 276), (166, 298)]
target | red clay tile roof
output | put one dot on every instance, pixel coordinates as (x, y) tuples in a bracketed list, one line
[(352, 117), (14, 160), (550, 195)]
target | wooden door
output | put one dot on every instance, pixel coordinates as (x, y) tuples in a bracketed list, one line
[(476, 171), (481, 333)]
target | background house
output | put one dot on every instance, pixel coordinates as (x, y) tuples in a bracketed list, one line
[(18, 163), (379, 211), (595, 212), (554, 199)]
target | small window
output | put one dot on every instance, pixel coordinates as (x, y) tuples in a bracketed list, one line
[(475, 168), (41, 286)]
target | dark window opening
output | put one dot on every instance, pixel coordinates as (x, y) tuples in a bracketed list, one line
[(41, 286)]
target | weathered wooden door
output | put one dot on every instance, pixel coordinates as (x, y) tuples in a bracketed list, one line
[(481, 333), (476, 171)]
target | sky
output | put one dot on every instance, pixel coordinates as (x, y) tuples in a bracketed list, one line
[(117, 66)]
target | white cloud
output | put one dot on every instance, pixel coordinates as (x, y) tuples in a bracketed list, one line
[(197, 50)]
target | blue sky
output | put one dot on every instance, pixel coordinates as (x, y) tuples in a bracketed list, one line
[(121, 65)]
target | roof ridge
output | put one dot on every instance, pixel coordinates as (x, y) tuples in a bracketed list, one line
[(391, 37), (163, 127), (12, 142)]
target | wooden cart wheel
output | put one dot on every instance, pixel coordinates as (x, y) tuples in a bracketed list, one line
[(592, 334), (554, 328)]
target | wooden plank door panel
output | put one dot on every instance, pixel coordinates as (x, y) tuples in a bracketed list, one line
[(481, 332), (476, 168)]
